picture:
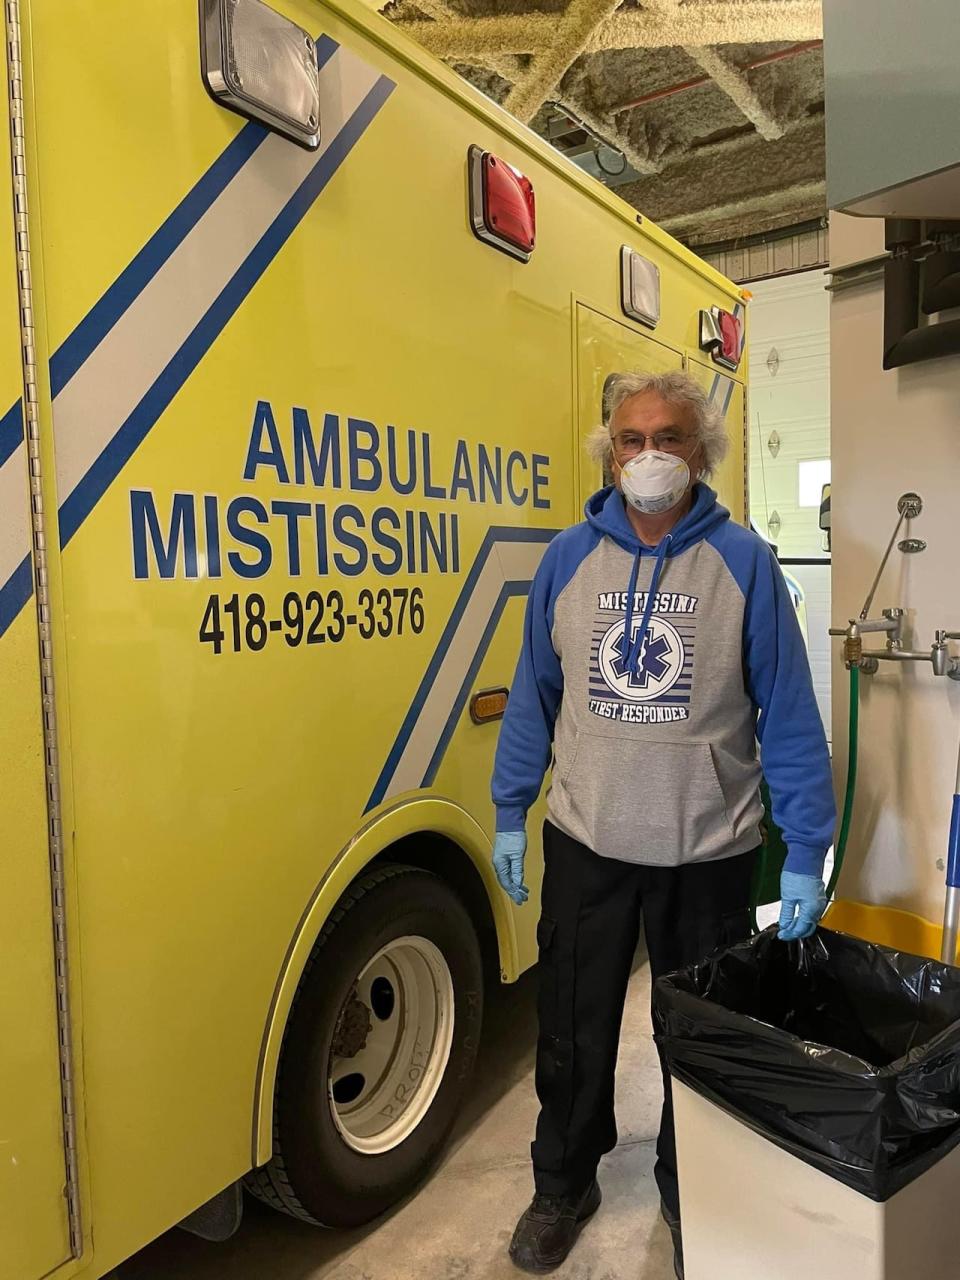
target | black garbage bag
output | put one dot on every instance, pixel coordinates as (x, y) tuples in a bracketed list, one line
[(844, 1053)]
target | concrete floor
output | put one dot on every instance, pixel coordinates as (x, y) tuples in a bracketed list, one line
[(459, 1224)]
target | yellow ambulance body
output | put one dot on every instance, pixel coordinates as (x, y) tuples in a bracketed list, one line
[(282, 443)]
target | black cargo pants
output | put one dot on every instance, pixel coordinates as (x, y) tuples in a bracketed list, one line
[(592, 909)]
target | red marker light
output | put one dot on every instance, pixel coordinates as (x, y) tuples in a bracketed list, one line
[(731, 335), (502, 205), (721, 333)]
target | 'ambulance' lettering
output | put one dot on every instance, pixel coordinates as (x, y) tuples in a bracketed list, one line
[(194, 536)]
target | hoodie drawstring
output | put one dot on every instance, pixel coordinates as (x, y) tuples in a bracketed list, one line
[(628, 617), (635, 646)]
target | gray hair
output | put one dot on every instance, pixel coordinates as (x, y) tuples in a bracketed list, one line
[(675, 388)]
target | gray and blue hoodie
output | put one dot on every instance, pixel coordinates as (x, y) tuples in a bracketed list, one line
[(651, 675)]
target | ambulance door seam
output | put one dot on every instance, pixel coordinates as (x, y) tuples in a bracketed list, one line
[(48, 688)]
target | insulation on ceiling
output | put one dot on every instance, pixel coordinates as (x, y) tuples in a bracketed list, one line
[(721, 143)]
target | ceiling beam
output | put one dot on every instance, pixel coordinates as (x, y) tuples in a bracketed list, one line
[(506, 66), (476, 37), (749, 22), (734, 83), (710, 23), (762, 211), (727, 76), (577, 24), (803, 192), (708, 186)]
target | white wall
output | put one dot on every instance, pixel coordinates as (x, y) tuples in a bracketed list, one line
[(894, 432), (790, 315), (815, 581)]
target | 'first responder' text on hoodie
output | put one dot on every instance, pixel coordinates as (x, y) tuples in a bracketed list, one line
[(652, 675)]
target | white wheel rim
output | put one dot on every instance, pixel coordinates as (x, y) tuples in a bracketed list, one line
[(381, 1091)]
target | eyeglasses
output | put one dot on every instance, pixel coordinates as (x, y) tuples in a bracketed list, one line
[(627, 444)]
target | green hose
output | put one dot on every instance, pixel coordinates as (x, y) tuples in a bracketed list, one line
[(853, 739), (766, 880)]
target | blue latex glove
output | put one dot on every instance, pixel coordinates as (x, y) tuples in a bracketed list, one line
[(508, 850), (803, 902)]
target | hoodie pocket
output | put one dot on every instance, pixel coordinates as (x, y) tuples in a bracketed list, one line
[(570, 763), (641, 800)]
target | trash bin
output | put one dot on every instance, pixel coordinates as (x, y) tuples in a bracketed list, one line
[(817, 1101)]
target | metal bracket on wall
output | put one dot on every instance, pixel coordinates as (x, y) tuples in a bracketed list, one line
[(909, 506), (857, 273), (921, 278)]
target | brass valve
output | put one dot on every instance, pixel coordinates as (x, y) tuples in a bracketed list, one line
[(852, 649)]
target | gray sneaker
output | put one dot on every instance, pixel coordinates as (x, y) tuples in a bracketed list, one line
[(550, 1228)]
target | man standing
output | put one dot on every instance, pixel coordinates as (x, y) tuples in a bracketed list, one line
[(660, 646)]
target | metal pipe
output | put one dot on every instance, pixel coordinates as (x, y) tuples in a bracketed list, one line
[(865, 624), (669, 91), (864, 612), (898, 655), (951, 920), (940, 658)]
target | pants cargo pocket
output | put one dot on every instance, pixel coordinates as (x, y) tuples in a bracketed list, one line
[(554, 1075)]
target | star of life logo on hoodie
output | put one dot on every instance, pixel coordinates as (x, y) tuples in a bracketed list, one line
[(659, 667), (656, 688)]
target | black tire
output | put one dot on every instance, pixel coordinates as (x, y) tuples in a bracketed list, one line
[(315, 1174)]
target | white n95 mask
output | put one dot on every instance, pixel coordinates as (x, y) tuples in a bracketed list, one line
[(654, 481)]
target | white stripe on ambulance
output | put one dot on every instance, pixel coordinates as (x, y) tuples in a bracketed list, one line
[(117, 375), (15, 512), (509, 561)]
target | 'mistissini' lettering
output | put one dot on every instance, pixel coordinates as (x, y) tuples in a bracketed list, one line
[(311, 531)]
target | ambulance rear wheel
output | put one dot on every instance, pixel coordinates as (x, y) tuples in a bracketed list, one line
[(378, 1052)]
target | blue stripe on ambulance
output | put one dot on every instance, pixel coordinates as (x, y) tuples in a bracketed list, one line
[(78, 505), (128, 286), (131, 282), (727, 398), (718, 381), (495, 537), (507, 592), (15, 592), (11, 431)]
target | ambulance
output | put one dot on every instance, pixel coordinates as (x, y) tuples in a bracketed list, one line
[(300, 337)]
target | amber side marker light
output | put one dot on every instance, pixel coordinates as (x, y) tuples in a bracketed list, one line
[(489, 704)]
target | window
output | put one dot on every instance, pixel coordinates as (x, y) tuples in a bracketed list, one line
[(811, 477)]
